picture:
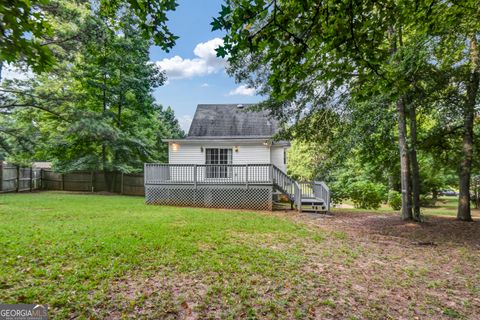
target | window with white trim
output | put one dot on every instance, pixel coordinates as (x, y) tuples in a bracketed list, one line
[(218, 160)]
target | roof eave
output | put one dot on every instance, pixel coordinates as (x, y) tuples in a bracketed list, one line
[(228, 139), (213, 139)]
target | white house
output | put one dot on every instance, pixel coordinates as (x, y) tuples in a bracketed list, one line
[(229, 159), (229, 134)]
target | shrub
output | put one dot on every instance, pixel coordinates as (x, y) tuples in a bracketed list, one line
[(427, 201), (338, 192), (366, 194), (395, 200)]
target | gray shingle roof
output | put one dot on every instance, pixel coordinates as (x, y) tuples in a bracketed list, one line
[(230, 121)]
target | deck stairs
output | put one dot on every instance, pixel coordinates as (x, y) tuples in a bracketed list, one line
[(304, 196)]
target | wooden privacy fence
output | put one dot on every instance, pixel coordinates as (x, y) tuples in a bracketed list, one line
[(93, 181), (18, 179)]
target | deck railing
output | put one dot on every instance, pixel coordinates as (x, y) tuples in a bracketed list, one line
[(307, 189), (321, 191), (285, 183), (197, 174), (315, 189)]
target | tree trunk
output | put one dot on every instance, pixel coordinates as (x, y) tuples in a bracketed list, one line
[(464, 212), (104, 146), (476, 192), (402, 137), (404, 163), (414, 163)]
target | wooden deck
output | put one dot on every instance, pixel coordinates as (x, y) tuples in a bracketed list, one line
[(222, 185)]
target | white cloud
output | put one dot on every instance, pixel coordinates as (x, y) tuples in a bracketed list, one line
[(242, 90), (185, 121), (10, 72), (204, 85), (206, 62)]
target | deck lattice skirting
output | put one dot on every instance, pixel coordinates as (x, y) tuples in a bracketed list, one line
[(226, 196)]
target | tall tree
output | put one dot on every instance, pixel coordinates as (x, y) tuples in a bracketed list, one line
[(94, 109), (310, 56), (457, 26), (464, 212)]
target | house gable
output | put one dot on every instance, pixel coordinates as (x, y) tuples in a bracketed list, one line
[(227, 126)]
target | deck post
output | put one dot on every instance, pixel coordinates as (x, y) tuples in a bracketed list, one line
[(195, 175), (246, 175), (271, 173)]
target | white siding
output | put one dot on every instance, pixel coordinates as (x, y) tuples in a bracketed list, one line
[(277, 157), (251, 154), (185, 154), (192, 154)]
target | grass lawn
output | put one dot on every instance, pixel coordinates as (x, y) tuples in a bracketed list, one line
[(109, 257)]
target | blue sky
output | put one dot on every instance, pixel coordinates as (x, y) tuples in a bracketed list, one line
[(195, 74)]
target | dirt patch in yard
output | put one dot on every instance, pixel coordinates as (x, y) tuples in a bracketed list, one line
[(435, 230), (366, 266), (404, 269)]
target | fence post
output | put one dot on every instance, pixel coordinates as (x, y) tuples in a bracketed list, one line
[(92, 181), (18, 178), (41, 179), (62, 183), (246, 175), (1, 175), (31, 179), (121, 182)]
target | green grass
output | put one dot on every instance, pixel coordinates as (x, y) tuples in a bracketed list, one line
[(445, 206), (94, 256), (60, 248)]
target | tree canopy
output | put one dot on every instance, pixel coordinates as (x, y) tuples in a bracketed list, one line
[(27, 27), (410, 66)]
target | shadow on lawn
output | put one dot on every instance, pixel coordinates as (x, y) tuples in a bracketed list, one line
[(435, 230)]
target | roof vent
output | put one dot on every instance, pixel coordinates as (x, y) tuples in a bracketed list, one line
[(240, 106)]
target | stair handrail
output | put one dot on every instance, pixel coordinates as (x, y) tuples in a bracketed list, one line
[(297, 196), (321, 190), (282, 180), (288, 185)]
